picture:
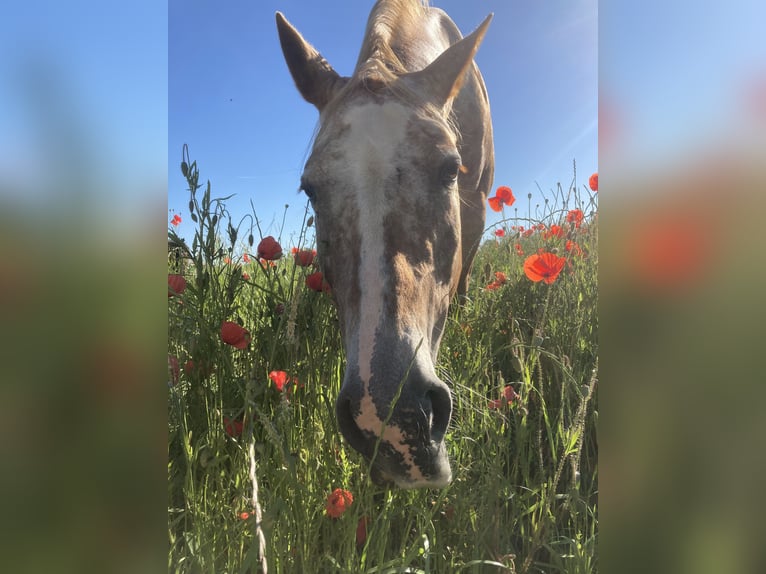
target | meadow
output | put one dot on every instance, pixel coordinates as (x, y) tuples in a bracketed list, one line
[(255, 361)]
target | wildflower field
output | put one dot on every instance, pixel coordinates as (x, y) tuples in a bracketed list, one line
[(258, 473)]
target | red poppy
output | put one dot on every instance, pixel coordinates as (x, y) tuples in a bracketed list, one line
[(554, 231), (503, 196), (246, 258), (500, 232), (269, 249), (528, 233), (246, 277), (279, 378), (573, 247), (670, 252), (509, 394), (305, 257), (176, 285), (593, 182), (500, 277), (233, 334), (575, 217), (361, 531), (494, 285), (495, 403), (519, 249), (233, 427), (244, 515), (338, 502), (316, 282), (176, 220), (227, 260), (544, 267)]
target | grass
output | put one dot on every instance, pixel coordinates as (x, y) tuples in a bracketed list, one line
[(524, 494)]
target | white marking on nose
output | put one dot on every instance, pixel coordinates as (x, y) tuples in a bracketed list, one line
[(377, 133)]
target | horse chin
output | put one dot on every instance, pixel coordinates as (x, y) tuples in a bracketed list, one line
[(439, 479)]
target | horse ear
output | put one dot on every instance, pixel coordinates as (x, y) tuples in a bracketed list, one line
[(313, 75), (444, 77)]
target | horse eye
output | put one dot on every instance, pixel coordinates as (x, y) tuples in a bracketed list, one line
[(450, 170), (308, 189)]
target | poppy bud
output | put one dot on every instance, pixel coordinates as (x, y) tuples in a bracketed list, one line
[(269, 249), (176, 285), (235, 335), (305, 257)]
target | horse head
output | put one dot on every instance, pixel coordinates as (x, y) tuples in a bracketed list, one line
[(385, 178)]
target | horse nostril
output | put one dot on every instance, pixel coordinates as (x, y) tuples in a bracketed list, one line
[(437, 405)]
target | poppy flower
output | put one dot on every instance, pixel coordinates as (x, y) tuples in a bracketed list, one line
[(519, 249), (176, 220), (305, 257), (500, 232), (495, 204), (233, 428), (316, 282), (244, 515), (361, 531), (670, 252), (279, 378), (269, 249), (509, 394), (575, 217), (495, 404), (246, 277), (233, 334), (573, 247), (176, 285), (246, 258), (544, 267), (500, 280), (503, 196), (338, 502), (554, 231), (593, 182)]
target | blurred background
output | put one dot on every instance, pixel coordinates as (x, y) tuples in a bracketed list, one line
[(83, 218), (682, 153), (83, 188)]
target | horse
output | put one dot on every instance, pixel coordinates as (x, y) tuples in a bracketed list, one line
[(398, 177)]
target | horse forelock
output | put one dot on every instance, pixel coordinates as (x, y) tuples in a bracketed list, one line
[(387, 20)]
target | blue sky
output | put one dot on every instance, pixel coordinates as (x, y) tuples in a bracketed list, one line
[(232, 100)]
